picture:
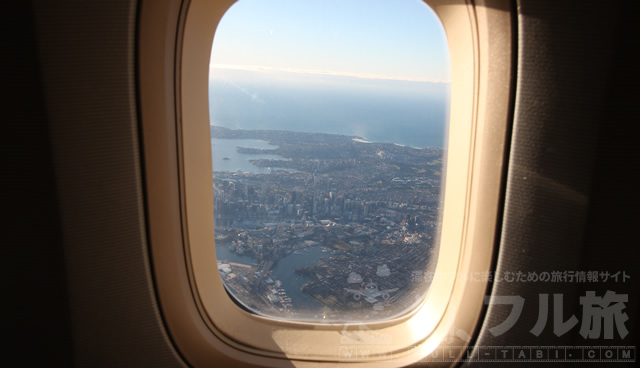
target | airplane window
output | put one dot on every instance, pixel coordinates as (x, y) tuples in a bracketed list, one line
[(329, 124)]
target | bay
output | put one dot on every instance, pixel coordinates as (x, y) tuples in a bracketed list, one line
[(226, 158), (284, 271)]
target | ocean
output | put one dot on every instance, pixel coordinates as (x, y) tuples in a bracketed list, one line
[(409, 113)]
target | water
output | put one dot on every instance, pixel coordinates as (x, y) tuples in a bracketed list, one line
[(409, 113), (292, 282), (226, 148), (284, 271)]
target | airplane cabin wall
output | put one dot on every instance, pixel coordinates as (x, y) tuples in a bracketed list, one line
[(80, 287)]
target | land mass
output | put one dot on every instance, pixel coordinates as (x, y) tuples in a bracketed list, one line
[(372, 207)]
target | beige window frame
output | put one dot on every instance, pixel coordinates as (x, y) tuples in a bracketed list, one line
[(175, 39)]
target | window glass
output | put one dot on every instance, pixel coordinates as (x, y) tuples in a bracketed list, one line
[(328, 133)]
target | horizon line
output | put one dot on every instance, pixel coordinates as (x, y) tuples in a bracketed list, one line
[(324, 72)]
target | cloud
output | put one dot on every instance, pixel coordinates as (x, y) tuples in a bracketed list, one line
[(323, 72)]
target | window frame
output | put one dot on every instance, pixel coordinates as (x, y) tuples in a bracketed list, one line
[(201, 319)]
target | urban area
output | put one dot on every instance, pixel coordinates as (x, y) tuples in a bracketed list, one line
[(371, 208)]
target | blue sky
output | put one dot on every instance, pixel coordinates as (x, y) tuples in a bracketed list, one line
[(379, 39)]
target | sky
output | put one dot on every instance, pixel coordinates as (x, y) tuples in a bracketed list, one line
[(373, 39)]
